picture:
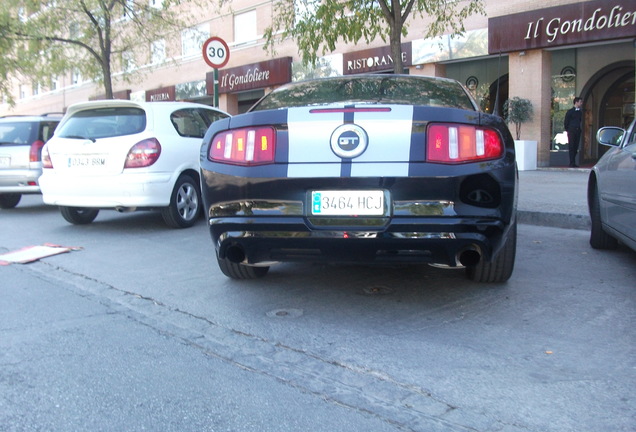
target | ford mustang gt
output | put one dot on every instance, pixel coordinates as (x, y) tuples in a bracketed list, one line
[(366, 168)]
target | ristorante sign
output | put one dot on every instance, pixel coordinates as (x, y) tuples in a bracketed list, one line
[(255, 76), (584, 22), (374, 59)]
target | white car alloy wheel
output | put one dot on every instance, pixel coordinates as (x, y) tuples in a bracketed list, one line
[(185, 203)]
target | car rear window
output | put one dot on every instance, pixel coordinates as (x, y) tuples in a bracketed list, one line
[(17, 132), (104, 122), (380, 89)]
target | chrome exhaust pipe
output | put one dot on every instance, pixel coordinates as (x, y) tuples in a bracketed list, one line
[(235, 254), (469, 256)]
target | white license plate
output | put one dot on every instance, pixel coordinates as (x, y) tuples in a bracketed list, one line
[(5, 161), (347, 203), (86, 161)]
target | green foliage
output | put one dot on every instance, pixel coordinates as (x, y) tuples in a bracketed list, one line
[(318, 25), (518, 111), (40, 41)]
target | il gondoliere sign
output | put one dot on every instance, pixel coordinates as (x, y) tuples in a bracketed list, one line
[(563, 25), (256, 75)]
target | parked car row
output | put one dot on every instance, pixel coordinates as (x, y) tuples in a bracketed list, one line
[(366, 168)]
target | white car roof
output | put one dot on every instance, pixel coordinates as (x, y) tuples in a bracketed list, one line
[(150, 106)]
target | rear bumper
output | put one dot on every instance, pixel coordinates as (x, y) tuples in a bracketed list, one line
[(123, 190), (430, 219), (24, 181), (435, 240)]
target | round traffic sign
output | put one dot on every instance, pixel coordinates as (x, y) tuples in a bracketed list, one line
[(216, 52)]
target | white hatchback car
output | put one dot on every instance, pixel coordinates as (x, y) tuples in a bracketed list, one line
[(125, 155)]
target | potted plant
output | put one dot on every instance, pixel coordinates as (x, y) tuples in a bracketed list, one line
[(518, 111)]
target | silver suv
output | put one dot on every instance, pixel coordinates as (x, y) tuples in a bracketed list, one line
[(21, 142)]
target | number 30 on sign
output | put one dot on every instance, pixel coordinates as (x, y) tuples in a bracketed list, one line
[(216, 52)]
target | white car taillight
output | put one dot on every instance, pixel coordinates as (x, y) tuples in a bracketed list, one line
[(143, 154), (46, 158)]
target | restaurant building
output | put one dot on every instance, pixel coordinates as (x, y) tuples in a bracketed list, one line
[(547, 52)]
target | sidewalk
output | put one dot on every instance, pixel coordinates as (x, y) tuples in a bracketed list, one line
[(555, 197)]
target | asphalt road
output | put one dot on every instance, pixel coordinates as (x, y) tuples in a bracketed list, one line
[(139, 330)]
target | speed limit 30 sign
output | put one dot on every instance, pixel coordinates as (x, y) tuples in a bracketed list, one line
[(216, 52)]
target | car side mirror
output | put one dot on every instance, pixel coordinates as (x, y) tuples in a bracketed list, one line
[(610, 135)]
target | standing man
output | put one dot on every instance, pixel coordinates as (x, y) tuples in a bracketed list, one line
[(573, 125)]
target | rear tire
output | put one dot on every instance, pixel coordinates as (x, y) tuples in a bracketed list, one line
[(599, 239), (79, 215), (185, 204), (9, 201), (241, 271), (500, 269)]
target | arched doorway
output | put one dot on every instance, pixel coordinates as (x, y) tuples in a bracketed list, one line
[(497, 94), (608, 101)]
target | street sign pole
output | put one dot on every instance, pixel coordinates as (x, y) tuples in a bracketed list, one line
[(216, 87), (216, 54)]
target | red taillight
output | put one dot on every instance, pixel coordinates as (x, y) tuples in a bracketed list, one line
[(247, 146), (455, 143), (35, 153), (143, 154), (46, 158)]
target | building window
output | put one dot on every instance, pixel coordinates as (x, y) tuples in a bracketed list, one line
[(304, 9), (158, 52), (128, 61), (245, 27), (192, 39), (76, 77), (128, 11), (54, 83), (22, 92)]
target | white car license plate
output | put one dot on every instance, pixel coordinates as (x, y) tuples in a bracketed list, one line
[(86, 161), (347, 203), (5, 161)]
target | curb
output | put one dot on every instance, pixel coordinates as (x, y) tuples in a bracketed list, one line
[(555, 220)]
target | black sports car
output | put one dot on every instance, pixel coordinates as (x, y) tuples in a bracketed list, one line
[(366, 168)]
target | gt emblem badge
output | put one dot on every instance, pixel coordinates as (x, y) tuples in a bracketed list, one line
[(349, 141)]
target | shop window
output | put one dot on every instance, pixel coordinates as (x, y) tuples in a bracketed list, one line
[(245, 27), (563, 92)]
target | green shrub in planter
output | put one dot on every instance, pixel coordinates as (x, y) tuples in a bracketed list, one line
[(518, 111)]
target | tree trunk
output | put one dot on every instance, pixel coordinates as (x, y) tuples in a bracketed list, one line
[(396, 47)]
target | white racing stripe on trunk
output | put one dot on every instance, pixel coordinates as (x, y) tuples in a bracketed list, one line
[(309, 135), (389, 134), (387, 154)]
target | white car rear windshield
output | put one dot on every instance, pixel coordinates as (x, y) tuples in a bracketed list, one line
[(104, 122)]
